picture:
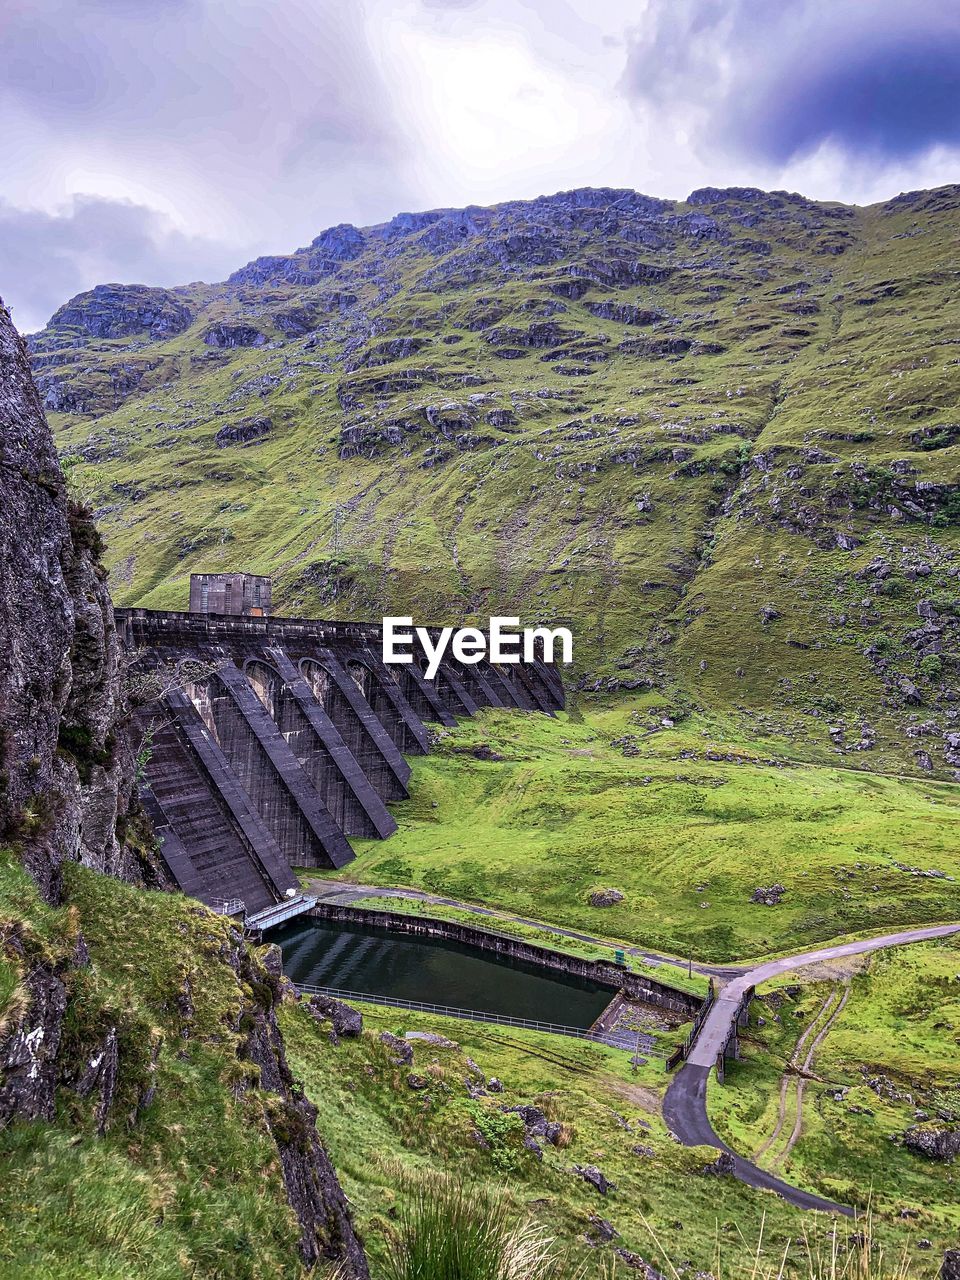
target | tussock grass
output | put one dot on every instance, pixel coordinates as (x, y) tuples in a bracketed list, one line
[(451, 1231)]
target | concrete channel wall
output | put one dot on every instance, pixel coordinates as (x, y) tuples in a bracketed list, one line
[(633, 985)]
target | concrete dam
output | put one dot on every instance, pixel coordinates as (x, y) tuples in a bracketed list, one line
[(271, 741)]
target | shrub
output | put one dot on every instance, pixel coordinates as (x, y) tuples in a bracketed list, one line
[(452, 1232), (931, 666)]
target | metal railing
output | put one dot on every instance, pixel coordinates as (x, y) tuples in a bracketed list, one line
[(280, 912), (680, 1054), (227, 906), (469, 1015)]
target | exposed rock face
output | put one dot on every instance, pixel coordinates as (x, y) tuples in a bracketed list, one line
[(122, 311), (246, 432), (312, 1187), (951, 1265), (936, 1142), (66, 769), (28, 1052), (234, 335)]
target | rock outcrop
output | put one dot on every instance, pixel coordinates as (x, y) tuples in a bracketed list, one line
[(67, 776), (935, 1141), (123, 311), (315, 1195), (66, 767)]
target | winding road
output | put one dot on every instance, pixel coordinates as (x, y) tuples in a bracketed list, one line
[(685, 1103)]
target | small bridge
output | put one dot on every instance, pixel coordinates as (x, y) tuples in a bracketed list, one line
[(277, 739)]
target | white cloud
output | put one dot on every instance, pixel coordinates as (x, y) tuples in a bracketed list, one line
[(238, 127)]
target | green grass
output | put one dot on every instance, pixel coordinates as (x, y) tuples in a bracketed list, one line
[(449, 1231), (686, 839), (901, 1025), (383, 1135), (187, 1184)]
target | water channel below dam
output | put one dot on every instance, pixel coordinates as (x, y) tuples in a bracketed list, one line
[(374, 961)]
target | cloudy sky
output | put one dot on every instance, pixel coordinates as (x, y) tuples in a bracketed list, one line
[(162, 141)]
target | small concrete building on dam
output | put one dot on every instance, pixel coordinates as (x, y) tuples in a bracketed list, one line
[(245, 594)]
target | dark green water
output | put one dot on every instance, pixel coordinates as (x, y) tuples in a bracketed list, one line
[(433, 970)]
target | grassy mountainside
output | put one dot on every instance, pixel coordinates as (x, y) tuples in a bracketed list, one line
[(721, 436)]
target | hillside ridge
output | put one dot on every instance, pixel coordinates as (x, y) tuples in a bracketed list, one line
[(720, 436)]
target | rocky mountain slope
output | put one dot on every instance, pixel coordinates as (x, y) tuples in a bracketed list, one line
[(121, 1068), (721, 436)]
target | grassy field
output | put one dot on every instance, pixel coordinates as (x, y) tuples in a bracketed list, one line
[(686, 839), (891, 1053), (664, 1208)]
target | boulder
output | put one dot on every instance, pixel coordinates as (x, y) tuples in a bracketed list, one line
[(723, 1165), (402, 1051), (951, 1265), (605, 897), (600, 1230), (344, 1019), (431, 1037), (936, 1142), (590, 1173), (646, 1269), (769, 897), (536, 1123)]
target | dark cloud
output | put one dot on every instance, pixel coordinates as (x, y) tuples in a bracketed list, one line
[(777, 80), (47, 258)]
